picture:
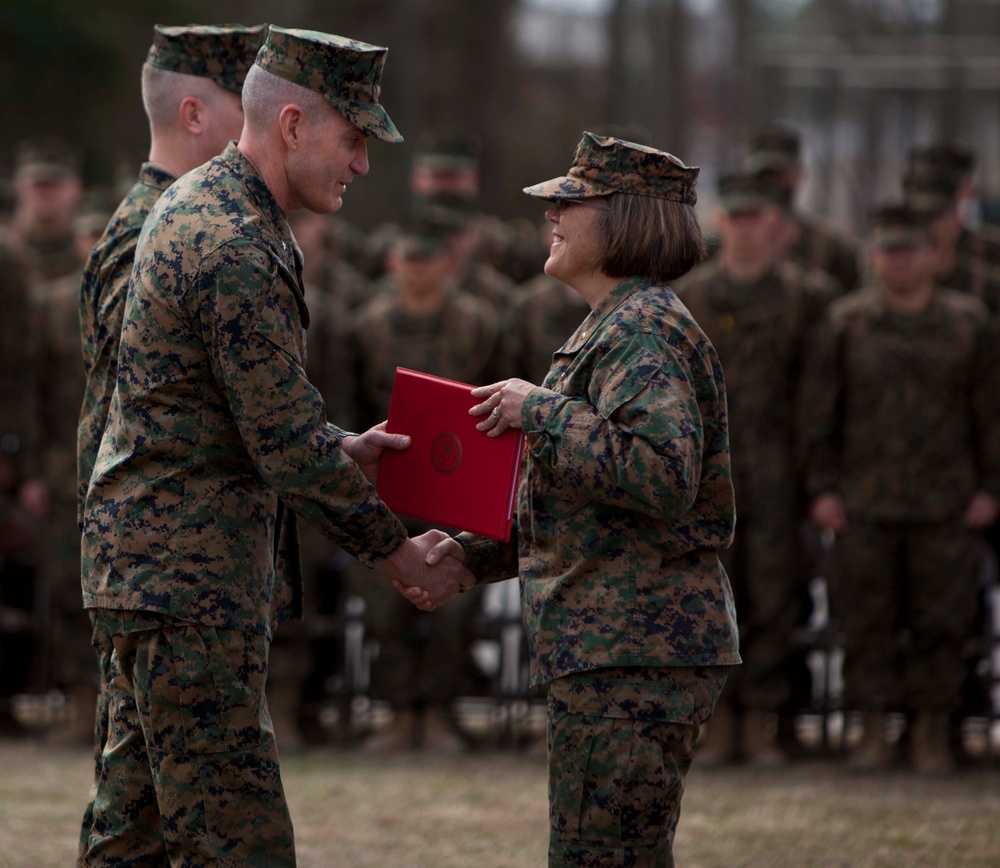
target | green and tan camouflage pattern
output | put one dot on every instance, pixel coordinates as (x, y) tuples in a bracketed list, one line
[(621, 742), (625, 497), (101, 309), (347, 72), (213, 426), (936, 371), (457, 341), (223, 54), (188, 773), (762, 330), (603, 165)]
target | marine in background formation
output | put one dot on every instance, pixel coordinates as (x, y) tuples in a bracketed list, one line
[(900, 433), (759, 311)]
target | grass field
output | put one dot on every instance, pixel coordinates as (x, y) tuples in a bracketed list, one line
[(488, 810)]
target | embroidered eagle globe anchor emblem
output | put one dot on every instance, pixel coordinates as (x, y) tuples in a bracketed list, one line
[(446, 453)]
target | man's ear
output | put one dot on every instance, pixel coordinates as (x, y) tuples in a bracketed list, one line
[(293, 121), (191, 112)]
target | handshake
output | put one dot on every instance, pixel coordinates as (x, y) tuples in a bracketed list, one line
[(429, 569)]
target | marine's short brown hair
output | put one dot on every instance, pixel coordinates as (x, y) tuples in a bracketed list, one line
[(659, 239)]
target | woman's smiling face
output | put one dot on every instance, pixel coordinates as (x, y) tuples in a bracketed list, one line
[(576, 247)]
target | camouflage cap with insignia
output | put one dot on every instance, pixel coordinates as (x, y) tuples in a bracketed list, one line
[(348, 73), (777, 146), (899, 227), (223, 54), (930, 192), (603, 165), (45, 160), (751, 191)]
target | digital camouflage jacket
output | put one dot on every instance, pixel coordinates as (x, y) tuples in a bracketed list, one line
[(213, 419), (625, 497)]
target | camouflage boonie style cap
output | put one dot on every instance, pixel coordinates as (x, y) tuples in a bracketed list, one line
[(348, 73), (898, 226), (223, 54), (603, 165), (46, 160), (930, 193), (750, 191), (942, 159), (777, 146)]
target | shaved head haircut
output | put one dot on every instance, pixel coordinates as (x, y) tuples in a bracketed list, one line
[(163, 90), (266, 94)]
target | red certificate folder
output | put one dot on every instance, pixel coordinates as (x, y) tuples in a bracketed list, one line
[(452, 474)]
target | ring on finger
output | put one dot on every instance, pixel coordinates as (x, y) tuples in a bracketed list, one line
[(495, 413)]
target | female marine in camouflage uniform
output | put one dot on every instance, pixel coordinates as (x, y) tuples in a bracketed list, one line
[(624, 503)]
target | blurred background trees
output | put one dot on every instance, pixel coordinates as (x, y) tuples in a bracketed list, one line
[(862, 79)]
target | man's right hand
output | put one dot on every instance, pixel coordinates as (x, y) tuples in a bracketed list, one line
[(426, 585)]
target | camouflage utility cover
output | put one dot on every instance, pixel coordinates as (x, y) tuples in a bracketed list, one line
[(750, 191), (213, 419), (223, 54), (348, 73), (776, 146), (896, 226), (603, 165), (625, 497)]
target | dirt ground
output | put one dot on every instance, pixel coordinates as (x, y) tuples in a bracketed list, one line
[(488, 810)]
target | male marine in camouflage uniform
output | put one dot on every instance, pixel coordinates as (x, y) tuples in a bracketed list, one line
[(428, 324), (902, 446), (213, 435), (49, 190), (759, 311), (191, 84), (814, 244), (445, 174)]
